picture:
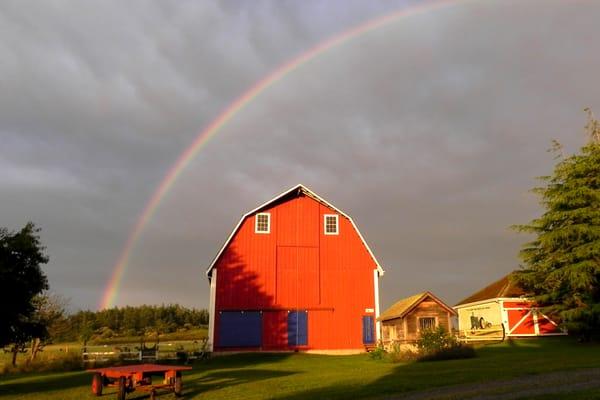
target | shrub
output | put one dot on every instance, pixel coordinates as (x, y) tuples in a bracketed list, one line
[(433, 340), (379, 353), (396, 354), (437, 344)]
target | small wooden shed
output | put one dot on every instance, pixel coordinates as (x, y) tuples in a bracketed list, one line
[(404, 321)]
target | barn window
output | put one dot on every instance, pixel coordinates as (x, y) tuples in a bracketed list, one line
[(262, 223), (426, 323), (331, 224)]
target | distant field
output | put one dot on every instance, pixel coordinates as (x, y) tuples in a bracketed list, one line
[(168, 343), (192, 334), (304, 376)]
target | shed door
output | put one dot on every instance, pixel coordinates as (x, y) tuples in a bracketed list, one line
[(240, 329), (297, 328), (367, 325)]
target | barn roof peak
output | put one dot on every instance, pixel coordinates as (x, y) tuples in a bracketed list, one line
[(299, 188)]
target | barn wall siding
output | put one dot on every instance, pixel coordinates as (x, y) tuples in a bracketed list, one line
[(297, 267)]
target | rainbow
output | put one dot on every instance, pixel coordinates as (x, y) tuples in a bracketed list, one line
[(113, 285)]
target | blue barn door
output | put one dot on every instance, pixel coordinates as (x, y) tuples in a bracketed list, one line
[(297, 328), (367, 322), (240, 329)]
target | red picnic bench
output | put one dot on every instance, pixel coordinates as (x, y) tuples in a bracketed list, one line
[(128, 378)]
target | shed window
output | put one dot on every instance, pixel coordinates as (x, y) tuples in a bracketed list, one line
[(263, 223), (331, 224), (426, 323)]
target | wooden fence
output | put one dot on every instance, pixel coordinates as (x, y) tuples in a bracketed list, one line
[(182, 351)]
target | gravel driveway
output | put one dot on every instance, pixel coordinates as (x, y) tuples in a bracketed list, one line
[(517, 388)]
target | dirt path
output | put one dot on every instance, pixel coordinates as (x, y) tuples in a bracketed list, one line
[(516, 388)]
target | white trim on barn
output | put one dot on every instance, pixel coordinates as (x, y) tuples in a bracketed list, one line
[(495, 299), (504, 313), (536, 324), (291, 190), (376, 291), (211, 308)]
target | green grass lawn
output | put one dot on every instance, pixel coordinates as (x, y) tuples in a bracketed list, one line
[(305, 376)]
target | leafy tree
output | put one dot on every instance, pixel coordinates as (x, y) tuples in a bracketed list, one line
[(21, 279), (49, 316), (562, 263)]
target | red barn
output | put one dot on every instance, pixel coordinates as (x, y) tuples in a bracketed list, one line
[(295, 274)]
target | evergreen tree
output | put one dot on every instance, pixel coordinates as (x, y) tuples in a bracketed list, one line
[(562, 264)]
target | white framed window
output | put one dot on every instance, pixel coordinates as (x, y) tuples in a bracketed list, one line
[(427, 323), (331, 224), (262, 223)]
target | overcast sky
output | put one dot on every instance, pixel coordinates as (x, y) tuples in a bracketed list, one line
[(428, 131)]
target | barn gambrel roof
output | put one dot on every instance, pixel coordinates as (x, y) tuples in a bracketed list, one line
[(296, 189)]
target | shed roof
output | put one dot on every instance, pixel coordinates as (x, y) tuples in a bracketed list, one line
[(295, 190), (503, 287), (404, 306)]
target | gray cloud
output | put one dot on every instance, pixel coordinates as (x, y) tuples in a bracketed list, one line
[(428, 131)]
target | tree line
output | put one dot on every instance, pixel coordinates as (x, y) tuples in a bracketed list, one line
[(126, 321)]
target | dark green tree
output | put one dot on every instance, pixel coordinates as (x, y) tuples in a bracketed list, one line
[(561, 265), (21, 279)]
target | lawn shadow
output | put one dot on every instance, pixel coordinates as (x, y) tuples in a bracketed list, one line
[(239, 360), (46, 382), (229, 378)]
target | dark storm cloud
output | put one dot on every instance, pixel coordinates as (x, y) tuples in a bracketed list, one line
[(428, 131)]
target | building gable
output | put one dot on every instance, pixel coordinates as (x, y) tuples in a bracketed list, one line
[(503, 287), (404, 306), (281, 199)]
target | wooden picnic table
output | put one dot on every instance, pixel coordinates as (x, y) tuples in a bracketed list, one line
[(128, 378)]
